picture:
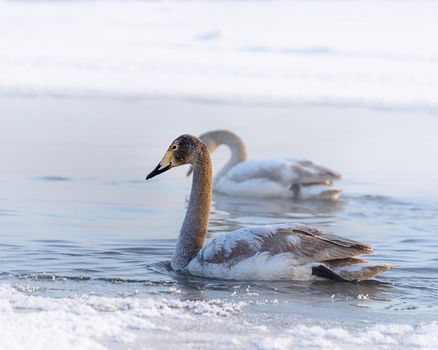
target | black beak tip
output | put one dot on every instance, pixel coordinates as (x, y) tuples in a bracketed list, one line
[(158, 171)]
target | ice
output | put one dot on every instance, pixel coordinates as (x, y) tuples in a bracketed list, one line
[(32, 321), (87, 321), (392, 336)]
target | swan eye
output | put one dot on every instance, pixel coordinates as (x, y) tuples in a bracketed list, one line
[(174, 147)]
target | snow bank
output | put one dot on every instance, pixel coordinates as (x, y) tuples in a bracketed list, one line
[(29, 321), (88, 321), (343, 52), (389, 336)]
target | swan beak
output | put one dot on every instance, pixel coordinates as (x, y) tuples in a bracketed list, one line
[(164, 165), (190, 171)]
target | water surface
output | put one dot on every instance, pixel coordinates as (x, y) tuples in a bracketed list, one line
[(85, 241)]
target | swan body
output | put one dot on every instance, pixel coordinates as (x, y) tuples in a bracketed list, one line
[(282, 177), (277, 252)]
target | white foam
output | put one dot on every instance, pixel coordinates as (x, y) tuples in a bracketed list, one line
[(318, 51)]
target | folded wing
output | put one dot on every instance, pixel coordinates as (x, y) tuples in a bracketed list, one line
[(304, 244)]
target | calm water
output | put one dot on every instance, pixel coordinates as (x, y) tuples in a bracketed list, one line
[(78, 219)]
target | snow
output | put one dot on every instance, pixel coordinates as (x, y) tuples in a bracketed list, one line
[(392, 336), (87, 321), (341, 52)]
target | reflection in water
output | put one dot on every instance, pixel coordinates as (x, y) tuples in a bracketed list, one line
[(230, 212), (279, 208), (300, 290)]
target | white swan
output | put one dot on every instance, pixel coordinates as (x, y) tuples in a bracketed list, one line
[(283, 177), (276, 252)]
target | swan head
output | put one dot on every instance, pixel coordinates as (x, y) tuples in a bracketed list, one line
[(182, 150)]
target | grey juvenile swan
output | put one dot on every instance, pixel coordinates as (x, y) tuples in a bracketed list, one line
[(275, 252), (277, 177)]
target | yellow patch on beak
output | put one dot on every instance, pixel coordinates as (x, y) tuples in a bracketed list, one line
[(166, 161), (164, 165)]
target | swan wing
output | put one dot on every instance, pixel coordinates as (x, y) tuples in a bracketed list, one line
[(273, 170), (302, 244), (309, 173), (278, 178), (285, 171)]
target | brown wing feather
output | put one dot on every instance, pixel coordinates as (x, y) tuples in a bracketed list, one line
[(306, 244), (329, 237), (317, 246)]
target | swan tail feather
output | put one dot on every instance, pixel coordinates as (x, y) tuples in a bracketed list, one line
[(349, 270)]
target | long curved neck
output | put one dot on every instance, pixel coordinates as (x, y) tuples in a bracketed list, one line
[(194, 229), (236, 146)]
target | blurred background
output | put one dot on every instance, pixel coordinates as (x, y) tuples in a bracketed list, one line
[(367, 53)]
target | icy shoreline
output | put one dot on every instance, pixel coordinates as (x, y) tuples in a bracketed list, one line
[(380, 54), (101, 322)]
